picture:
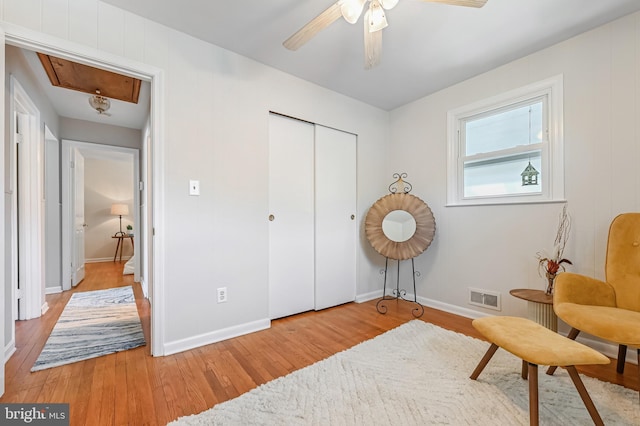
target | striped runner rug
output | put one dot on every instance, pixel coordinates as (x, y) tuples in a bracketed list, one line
[(94, 323)]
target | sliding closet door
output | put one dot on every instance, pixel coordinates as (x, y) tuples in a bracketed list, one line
[(335, 220), (291, 247)]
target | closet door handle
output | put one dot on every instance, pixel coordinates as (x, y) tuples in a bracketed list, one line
[(271, 218), (353, 216)]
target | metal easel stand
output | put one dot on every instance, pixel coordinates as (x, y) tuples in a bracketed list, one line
[(397, 293)]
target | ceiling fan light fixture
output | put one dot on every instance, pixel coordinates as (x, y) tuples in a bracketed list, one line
[(352, 9), (99, 103), (377, 18)]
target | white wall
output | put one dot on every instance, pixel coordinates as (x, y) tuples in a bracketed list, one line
[(18, 66), (106, 182), (105, 134), (217, 105), (494, 247)]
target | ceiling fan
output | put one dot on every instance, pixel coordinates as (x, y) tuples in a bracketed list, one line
[(374, 22)]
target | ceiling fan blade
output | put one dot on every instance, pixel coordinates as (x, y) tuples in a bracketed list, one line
[(468, 3), (372, 45), (317, 24)]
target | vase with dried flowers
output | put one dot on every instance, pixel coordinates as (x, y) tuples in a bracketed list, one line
[(554, 263)]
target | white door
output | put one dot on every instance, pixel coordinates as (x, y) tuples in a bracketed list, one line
[(291, 247), (335, 217), (77, 270)]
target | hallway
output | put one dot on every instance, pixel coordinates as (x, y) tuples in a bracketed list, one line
[(32, 335)]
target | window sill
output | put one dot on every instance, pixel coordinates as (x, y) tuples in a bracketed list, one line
[(505, 202)]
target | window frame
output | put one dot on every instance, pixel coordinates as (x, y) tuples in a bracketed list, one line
[(552, 149)]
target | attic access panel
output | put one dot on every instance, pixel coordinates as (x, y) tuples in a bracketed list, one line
[(83, 78)]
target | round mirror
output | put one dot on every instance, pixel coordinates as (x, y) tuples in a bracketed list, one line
[(398, 225), (393, 212)]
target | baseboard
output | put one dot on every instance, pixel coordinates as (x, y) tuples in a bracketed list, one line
[(435, 304), (361, 298), (53, 290), (452, 309), (145, 289), (9, 350), (99, 260), (44, 308), (105, 259), (216, 336)]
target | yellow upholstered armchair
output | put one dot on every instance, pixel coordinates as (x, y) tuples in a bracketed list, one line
[(607, 309)]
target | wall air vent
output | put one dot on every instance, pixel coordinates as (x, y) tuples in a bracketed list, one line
[(485, 298)]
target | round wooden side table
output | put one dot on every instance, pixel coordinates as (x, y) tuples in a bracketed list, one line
[(539, 306)]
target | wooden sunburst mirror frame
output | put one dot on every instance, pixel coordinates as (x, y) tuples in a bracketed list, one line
[(421, 239)]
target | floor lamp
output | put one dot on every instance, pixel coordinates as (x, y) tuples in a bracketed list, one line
[(119, 210)]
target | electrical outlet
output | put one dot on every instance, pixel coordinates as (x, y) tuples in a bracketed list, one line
[(222, 295)]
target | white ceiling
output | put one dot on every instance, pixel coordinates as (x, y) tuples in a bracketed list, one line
[(426, 47), (74, 104)]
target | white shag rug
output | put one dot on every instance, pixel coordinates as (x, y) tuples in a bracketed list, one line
[(418, 374)]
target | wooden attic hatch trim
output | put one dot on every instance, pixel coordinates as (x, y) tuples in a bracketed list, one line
[(83, 78)]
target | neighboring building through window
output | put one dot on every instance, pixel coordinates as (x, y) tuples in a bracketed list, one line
[(508, 149)]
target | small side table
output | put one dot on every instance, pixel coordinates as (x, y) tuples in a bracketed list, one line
[(539, 306), (120, 245)]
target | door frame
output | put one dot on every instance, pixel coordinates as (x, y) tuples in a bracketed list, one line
[(71, 158), (66, 196), (33, 40), (27, 187), (52, 209)]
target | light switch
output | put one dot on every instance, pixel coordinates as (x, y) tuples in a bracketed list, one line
[(194, 187)]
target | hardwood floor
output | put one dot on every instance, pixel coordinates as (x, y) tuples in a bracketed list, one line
[(133, 388)]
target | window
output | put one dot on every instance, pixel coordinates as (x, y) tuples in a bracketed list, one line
[(508, 149)]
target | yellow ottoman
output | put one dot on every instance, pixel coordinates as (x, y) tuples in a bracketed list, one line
[(537, 345)]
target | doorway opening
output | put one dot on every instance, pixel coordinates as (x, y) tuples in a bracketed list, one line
[(150, 201), (94, 178)]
